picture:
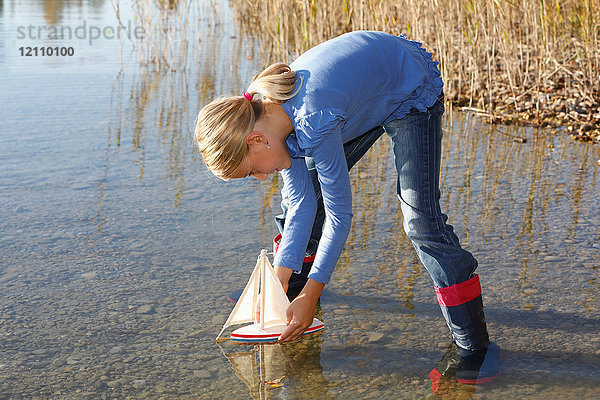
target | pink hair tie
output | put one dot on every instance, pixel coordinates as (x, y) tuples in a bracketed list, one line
[(248, 96)]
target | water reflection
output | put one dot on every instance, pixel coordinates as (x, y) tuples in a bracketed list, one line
[(163, 104), (54, 10), (280, 371), (444, 384), (143, 101)]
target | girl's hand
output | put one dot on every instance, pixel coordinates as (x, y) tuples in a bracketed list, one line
[(283, 274), (301, 312)]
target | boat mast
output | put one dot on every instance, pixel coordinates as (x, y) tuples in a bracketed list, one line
[(263, 286)]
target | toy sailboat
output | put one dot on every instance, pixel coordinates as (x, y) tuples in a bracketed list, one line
[(263, 290)]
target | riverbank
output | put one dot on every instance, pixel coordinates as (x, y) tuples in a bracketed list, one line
[(557, 110), (530, 62)]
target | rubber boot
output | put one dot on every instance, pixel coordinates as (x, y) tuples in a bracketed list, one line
[(297, 280), (462, 307), (479, 366), (448, 379)]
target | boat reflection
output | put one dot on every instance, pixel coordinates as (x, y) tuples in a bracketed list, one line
[(280, 370)]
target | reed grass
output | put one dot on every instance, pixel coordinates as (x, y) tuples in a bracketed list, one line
[(540, 57), (167, 29)]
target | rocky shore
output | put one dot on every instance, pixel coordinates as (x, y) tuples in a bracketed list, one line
[(565, 111)]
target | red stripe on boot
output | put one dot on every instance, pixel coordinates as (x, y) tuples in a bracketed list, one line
[(276, 244), (460, 293), (310, 258)]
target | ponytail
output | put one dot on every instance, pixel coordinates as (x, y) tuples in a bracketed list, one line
[(276, 83), (222, 125)]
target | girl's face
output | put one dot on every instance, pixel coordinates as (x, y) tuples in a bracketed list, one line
[(268, 150), (264, 158)]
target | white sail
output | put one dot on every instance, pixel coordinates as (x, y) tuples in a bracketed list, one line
[(245, 308), (276, 302)]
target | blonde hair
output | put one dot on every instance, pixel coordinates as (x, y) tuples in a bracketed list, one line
[(222, 125)]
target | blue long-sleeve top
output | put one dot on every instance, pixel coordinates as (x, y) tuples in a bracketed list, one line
[(346, 86)]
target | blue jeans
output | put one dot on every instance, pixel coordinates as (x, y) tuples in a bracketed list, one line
[(417, 143)]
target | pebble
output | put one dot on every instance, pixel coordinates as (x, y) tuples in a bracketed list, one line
[(367, 325), (530, 291), (9, 277), (205, 357), (202, 374), (89, 275), (374, 337), (113, 384), (566, 325), (73, 360), (162, 310), (192, 267), (145, 309), (80, 186), (59, 362), (553, 258), (139, 383)]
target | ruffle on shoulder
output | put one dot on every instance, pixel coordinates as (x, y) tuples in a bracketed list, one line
[(431, 93), (312, 128)]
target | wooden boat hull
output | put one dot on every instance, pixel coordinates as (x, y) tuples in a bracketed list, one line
[(253, 334)]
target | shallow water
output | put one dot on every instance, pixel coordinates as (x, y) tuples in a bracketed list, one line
[(118, 248)]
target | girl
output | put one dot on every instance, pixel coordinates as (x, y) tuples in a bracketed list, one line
[(312, 121)]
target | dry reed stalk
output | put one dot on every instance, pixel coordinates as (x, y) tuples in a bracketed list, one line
[(500, 55), (166, 25)]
